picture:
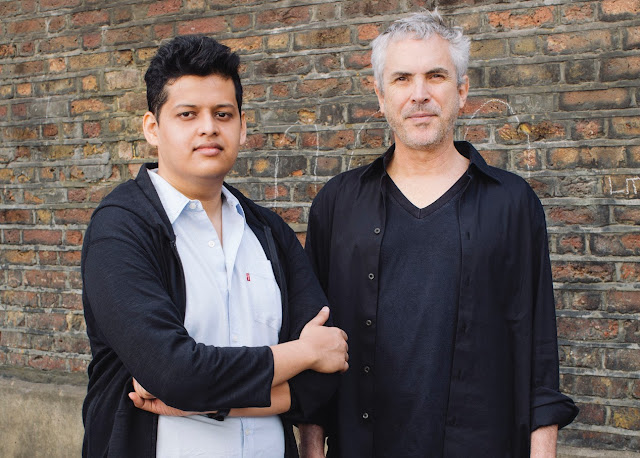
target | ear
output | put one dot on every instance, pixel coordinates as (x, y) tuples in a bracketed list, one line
[(380, 96), (463, 91), (243, 129), (150, 128)]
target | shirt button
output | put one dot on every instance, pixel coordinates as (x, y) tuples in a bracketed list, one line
[(365, 415), (376, 230), (366, 369), (234, 338), (247, 432), (193, 205), (368, 323), (211, 243), (371, 276)]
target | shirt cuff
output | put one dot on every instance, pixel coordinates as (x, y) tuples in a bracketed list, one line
[(550, 407)]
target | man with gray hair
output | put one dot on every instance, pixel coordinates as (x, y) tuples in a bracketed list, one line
[(437, 267)]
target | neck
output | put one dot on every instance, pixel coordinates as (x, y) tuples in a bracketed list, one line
[(423, 163)]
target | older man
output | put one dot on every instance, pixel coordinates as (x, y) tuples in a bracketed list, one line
[(437, 267)]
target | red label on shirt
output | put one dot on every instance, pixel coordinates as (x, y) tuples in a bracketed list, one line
[(248, 277)]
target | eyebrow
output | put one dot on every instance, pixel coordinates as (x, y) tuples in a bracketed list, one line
[(190, 105), (433, 71)]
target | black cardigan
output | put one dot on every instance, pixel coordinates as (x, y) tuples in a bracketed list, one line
[(134, 305)]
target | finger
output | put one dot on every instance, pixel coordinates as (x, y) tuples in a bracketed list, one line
[(346, 367), (321, 318), (137, 400)]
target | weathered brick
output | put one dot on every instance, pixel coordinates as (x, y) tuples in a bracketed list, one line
[(26, 26), (582, 42), (573, 244), (630, 272), (88, 61), (595, 157), (208, 25), (595, 100), (246, 44), (488, 49), (588, 129), (573, 328), (359, 8), (328, 87), (583, 272), (525, 75), (528, 18), (625, 417), (613, 10), (628, 126), (591, 358), (621, 68), (632, 38), (591, 414), (287, 65), (577, 13), (283, 16), (323, 38)]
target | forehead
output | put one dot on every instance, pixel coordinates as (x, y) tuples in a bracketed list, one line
[(201, 90), (413, 55)]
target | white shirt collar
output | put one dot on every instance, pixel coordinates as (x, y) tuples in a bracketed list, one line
[(174, 201)]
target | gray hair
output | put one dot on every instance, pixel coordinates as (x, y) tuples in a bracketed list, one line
[(421, 26)]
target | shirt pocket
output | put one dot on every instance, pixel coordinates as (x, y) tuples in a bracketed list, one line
[(264, 295)]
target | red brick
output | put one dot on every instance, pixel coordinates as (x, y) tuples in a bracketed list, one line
[(533, 17), (583, 42), (130, 35), (284, 16), (48, 258), (573, 244), (358, 60), (90, 18), (583, 272), (91, 129), (19, 298), (588, 129), (622, 359), (368, 8), (577, 13), (247, 44), (623, 301), (630, 272), (87, 105), (598, 99), (47, 363), (26, 26), (16, 216), (42, 236), (620, 9), (73, 216), (45, 278), (209, 25), (57, 4), (71, 301), (621, 68), (160, 8), (573, 328), (57, 23), (47, 321), (9, 8), (328, 87)]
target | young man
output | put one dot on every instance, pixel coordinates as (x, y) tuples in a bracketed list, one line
[(437, 266), (197, 294)]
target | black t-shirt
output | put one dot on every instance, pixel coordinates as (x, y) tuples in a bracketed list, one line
[(417, 307)]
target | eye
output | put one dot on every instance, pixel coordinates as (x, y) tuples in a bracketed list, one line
[(223, 115), (187, 114)]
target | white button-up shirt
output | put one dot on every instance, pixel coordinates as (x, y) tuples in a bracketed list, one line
[(232, 300)]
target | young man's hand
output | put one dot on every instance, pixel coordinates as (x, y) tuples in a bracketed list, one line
[(328, 345)]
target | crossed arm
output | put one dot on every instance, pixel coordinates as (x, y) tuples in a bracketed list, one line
[(319, 348)]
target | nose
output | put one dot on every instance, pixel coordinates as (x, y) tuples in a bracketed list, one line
[(420, 91), (207, 125)]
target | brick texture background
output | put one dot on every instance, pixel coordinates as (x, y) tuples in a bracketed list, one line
[(554, 97)]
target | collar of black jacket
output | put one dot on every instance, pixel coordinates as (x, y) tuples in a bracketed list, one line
[(377, 167)]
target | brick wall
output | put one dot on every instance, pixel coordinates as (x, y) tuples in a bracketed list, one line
[(554, 97)]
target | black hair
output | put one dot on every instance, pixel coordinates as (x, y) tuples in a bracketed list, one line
[(189, 55)]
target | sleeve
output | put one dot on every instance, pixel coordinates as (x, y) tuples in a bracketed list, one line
[(548, 405), (134, 314), (310, 390)]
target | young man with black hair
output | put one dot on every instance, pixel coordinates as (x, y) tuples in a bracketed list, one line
[(197, 294)]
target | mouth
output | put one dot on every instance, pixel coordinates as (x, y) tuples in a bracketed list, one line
[(420, 116), (209, 149)]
